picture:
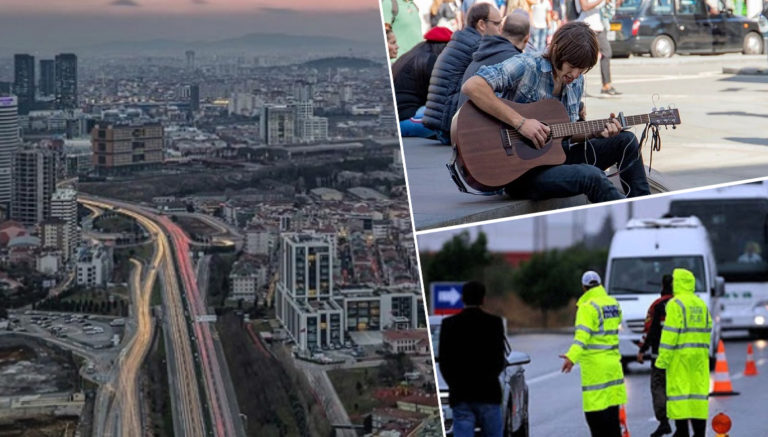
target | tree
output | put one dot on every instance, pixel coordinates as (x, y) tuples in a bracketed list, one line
[(460, 259), (550, 279)]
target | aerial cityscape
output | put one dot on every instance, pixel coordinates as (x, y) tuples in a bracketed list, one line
[(207, 235)]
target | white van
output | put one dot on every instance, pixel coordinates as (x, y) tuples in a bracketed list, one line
[(641, 254)]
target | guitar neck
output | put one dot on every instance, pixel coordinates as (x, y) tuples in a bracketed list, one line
[(592, 127)]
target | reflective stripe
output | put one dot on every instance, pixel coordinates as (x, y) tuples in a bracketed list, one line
[(578, 343), (685, 397), (611, 332), (682, 307), (603, 385), (599, 315), (599, 332), (686, 330), (583, 328), (602, 346), (684, 346)]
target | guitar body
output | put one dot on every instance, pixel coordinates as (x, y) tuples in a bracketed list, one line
[(491, 154)]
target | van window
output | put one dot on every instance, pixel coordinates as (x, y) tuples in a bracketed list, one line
[(662, 7), (643, 275)]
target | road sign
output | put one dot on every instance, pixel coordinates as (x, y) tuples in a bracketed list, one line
[(446, 297)]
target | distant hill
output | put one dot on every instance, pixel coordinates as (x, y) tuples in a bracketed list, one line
[(341, 62), (267, 43)]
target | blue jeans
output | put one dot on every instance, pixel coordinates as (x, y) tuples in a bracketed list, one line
[(413, 127), (539, 37), (583, 173), (467, 415)]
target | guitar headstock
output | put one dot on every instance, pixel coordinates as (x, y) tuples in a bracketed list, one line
[(665, 116)]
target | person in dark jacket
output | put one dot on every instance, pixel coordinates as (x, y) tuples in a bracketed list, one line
[(654, 323), (494, 49), (472, 354), (442, 100), (410, 75)]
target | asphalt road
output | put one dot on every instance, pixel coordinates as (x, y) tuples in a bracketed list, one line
[(555, 398)]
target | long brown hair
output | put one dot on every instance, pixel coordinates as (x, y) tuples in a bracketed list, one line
[(574, 43)]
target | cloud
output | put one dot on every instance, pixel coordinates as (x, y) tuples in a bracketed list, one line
[(125, 3)]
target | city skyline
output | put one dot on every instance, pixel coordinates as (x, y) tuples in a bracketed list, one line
[(46, 27)]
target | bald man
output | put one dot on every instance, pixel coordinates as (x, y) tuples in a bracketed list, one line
[(494, 49)]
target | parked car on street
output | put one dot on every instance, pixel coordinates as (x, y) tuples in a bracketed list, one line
[(514, 407), (662, 28)]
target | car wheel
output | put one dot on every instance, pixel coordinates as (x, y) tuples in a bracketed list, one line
[(753, 44), (662, 47), (523, 431)]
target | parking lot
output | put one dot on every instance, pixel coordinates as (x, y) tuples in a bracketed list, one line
[(94, 332)]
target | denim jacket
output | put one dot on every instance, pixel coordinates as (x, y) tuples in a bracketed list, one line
[(527, 78)]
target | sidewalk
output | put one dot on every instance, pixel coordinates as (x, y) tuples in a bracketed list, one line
[(437, 202)]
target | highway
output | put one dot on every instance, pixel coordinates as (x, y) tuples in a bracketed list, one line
[(188, 409)]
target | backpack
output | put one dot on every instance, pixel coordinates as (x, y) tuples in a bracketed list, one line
[(572, 10)]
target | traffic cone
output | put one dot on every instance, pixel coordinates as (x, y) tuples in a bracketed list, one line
[(623, 421), (722, 384), (751, 368)]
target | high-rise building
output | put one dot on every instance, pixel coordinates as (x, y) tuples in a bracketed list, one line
[(9, 143), (47, 77), (64, 208), (124, 148), (34, 181), (190, 59), (313, 129), (194, 98), (277, 124), (66, 81), (24, 81), (304, 301), (303, 91)]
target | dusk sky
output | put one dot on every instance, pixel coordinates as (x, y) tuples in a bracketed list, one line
[(54, 24)]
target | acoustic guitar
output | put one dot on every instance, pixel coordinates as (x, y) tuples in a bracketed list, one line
[(489, 154)]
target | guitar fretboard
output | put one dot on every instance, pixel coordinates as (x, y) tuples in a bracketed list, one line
[(592, 127)]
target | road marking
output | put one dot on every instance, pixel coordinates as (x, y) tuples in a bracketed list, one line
[(544, 377), (701, 75)]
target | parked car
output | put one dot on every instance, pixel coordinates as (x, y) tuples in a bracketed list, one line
[(665, 27), (514, 406)]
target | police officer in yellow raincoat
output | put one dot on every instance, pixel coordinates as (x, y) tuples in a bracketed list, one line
[(596, 348), (684, 353)]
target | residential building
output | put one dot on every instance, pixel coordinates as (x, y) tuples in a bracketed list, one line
[(277, 125), (410, 341), (34, 180), (246, 278), (304, 300), (94, 266), (64, 208)]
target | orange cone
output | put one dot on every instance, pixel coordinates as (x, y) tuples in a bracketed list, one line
[(751, 368), (722, 384), (623, 421)]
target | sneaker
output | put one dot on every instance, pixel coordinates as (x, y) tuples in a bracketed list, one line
[(663, 429), (610, 91)]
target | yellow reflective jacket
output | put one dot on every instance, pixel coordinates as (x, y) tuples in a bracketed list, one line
[(684, 350), (596, 348)]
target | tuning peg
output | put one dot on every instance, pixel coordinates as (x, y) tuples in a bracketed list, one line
[(674, 127)]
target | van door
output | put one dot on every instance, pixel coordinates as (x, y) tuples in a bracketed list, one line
[(693, 26)]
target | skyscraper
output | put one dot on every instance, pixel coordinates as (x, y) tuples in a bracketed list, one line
[(9, 143), (34, 180), (194, 98), (190, 59), (24, 81), (47, 77), (66, 81)]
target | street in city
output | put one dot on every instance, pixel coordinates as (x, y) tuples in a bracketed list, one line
[(723, 135), (555, 398)]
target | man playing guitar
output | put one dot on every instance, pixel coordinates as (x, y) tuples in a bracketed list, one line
[(558, 73)]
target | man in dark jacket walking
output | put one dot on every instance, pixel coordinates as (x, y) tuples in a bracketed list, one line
[(442, 100), (654, 323), (494, 49), (472, 354)]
